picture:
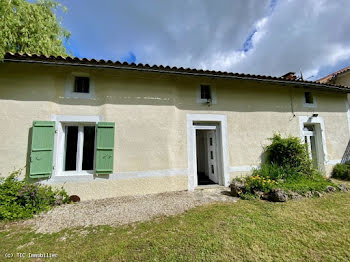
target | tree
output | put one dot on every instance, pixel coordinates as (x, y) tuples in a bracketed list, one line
[(31, 28)]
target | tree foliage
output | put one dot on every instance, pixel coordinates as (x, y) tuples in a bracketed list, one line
[(31, 28)]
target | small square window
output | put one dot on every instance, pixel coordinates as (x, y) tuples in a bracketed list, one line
[(81, 84), (309, 98), (205, 92)]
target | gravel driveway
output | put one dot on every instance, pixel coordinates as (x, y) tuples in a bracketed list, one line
[(124, 210)]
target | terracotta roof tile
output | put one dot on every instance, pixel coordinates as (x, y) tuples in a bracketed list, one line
[(328, 78), (17, 57)]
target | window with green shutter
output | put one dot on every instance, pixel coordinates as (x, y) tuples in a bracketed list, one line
[(41, 155), (85, 148), (105, 148)]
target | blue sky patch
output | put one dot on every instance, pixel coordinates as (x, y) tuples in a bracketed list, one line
[(248, 44), (130, 58)]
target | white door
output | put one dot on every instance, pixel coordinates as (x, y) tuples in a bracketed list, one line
[(212, 158)]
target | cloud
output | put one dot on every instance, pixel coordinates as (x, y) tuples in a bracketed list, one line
[(298, 35), (263, 37), (182, 32)]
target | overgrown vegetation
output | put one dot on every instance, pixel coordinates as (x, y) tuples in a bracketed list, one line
[(20, 199), (315, 229), (31, 28), (341, 171), (288, 153), (287, 167)]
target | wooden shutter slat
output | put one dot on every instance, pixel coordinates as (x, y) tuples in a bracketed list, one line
[(41, 155), (105, 148)]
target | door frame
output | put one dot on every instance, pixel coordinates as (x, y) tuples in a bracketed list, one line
[(208, 127), (320, 133), (211, 121)]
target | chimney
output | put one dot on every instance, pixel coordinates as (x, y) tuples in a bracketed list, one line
[(290, 76)]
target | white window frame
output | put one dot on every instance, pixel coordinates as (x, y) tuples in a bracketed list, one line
[(60, 140), (69, 90), (80, 147), (199, 100), (311, 105)]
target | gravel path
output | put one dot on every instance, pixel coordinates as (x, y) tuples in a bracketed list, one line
[(124, 210)]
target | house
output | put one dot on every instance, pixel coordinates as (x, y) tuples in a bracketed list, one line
[(104, 129), (340, 77)]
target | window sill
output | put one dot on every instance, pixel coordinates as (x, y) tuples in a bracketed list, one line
[(80, 96), (73, 176), (314, 105), (75, 173)]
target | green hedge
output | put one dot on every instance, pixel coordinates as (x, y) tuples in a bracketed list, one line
[(341, 171)]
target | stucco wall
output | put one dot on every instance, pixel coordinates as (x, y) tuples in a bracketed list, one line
[(343, 79), (106, 188), (149, 111)]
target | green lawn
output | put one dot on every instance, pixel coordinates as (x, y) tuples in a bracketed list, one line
[(315, 229)]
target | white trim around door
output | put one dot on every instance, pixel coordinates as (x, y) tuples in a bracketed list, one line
[(221, 121), (315, 120)]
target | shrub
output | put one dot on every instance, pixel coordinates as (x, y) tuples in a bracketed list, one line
[(288, 167), (288, 153), (20, 199), (341, 171)]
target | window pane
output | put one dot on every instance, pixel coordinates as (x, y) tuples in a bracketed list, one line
[(81, 84), (205, 92), (308, 98), (71, 148), (89, 148)]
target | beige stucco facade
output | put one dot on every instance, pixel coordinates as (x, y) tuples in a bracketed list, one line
[(150, 113)]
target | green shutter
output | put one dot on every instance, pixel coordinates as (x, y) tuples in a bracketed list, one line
[(104, 148), (41, 155)]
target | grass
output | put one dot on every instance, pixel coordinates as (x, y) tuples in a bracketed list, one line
[(315, 229), (304, 184)]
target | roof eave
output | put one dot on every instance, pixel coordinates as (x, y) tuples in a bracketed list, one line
[(9, 57)]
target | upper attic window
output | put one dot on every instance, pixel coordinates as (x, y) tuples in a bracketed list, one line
[(81, 84), (309, 100), (205, 92)]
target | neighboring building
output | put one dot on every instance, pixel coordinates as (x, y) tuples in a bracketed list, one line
[(340, 77), (104, 129)]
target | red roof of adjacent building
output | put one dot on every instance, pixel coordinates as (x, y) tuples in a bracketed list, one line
[(328, 78)]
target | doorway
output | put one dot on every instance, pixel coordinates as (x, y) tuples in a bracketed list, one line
[(313, 142), (206, 154), (213, 122)]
